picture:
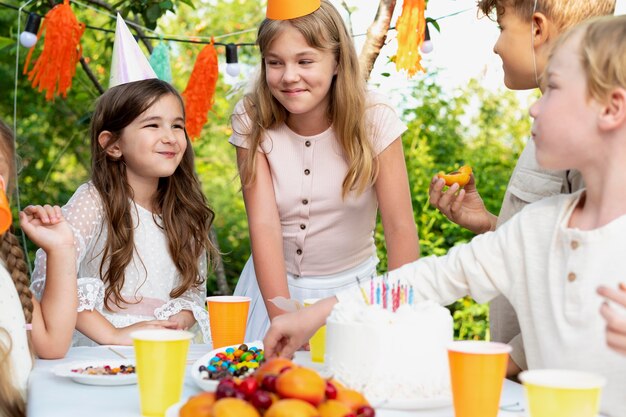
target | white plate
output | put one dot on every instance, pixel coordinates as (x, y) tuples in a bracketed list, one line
[(65, 371), (411, 404), (210, 385), (174, 409)]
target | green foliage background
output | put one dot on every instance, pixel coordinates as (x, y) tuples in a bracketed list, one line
[(470, 126)]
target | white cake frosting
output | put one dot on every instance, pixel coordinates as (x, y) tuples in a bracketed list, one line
[(390, 356)]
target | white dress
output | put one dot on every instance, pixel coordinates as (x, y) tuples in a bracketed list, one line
[(149, 277), (14, 335)]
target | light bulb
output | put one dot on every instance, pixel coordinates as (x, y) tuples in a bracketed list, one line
[(28, 38), (232, 65), (427, 47), (232, 69)]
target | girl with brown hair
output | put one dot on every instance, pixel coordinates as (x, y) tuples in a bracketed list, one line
[(141, 223)]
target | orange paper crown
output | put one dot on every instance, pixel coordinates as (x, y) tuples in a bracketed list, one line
[(290, 9)]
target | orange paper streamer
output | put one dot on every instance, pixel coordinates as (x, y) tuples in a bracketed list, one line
[(411, 27), (200, 90), (54, 69)]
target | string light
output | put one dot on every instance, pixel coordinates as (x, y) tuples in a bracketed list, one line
[(232, 61), (28, 38), (427, 46)]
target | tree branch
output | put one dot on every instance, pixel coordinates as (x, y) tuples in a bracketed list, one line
[(91, 76), (134, 23), (376, 36)]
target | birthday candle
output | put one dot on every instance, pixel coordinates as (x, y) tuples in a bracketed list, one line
[(411, 295), (378, 293), (364, 294), (397, 301), (372, 290), (385, 285)]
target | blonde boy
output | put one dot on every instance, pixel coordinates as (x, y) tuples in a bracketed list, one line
[(528, 30)]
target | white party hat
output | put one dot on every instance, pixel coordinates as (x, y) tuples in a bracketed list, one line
[(129, 63)]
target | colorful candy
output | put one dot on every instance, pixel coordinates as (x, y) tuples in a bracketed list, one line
[(239, 362), (106, 370)]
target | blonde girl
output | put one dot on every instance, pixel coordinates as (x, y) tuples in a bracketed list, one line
[(318, 155), (51, 321), (141, 223)]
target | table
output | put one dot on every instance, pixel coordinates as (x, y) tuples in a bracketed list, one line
[(52, 396)]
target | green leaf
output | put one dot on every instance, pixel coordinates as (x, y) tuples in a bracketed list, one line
[(189, 3), (385, 74), (166, 5), (4, 42), (153, 13), (434, 23)]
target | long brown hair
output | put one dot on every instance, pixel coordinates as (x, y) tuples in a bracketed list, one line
[(11, 402), (323, 30), (179, 199)]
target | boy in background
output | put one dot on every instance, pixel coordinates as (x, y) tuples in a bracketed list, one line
[(528, 30)]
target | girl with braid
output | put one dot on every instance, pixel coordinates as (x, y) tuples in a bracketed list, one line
[(51, 320)]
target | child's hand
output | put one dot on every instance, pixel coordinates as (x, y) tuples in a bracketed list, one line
[(46, 227), (184, 319), (121, 335), (465, 208), (289, 332), (615, 320)]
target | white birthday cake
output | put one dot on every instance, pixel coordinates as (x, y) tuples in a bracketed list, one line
[(390, 355)]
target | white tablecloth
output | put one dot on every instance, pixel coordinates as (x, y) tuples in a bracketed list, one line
[(52, 396)]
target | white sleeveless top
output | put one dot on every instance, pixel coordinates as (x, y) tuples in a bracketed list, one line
[(12, 321)]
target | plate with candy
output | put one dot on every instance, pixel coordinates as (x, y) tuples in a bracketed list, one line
[(106, 373), (237, 361)]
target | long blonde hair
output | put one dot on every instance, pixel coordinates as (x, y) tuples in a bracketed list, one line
[(323, 30), (179, 199), (11, 402)]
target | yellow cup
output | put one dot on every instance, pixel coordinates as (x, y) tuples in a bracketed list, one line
[(477, 371), (561, 393), (161, 357), (228, 318), (317, 343)]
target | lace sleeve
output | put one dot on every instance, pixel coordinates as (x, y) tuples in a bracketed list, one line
[(84, 214), (193, 300)]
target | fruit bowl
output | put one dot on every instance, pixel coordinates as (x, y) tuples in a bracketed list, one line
[(278, 388), (210, 385)]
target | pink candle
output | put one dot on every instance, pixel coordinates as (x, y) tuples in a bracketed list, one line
[(385, 294)]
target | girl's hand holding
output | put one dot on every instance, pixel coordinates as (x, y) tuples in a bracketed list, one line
[(121, 336), (46, 227), (615, 320)]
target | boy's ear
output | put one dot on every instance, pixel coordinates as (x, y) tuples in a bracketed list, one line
[(113, 151), (613, 113), (543, 30)]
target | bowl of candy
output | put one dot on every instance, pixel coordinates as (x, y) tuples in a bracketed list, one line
[(237, 361)]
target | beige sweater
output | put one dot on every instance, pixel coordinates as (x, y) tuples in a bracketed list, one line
[(549, 273)]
